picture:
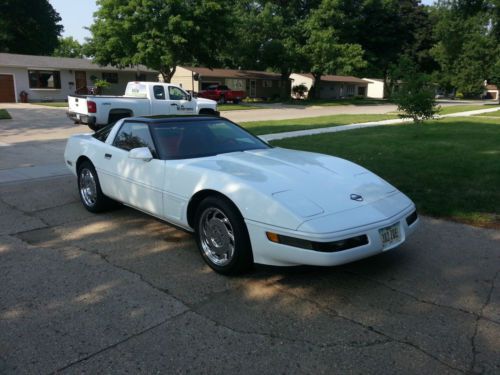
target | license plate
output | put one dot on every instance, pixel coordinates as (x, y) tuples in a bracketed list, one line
[(390, 235)]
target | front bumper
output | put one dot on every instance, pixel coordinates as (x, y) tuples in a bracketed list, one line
[(277, 254), (82, 119)]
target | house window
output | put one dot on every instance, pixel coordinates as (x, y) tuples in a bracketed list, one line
[(140, 76), (235, 84), (350, 90), (44, 79), (267, 83), (110, 77)]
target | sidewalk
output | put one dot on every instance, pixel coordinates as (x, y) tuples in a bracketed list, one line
[(334, 129)]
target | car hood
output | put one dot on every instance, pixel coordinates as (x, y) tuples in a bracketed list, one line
[(308, 184), (204, 101)]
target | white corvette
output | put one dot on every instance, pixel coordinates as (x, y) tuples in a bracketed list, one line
[(245, 200)]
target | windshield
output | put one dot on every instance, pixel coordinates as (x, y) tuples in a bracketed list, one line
[(198, 138)]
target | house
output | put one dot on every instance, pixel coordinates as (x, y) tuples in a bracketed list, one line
[(491, 92), (332, 86), (256, 84), (47, 78), (375, 88)]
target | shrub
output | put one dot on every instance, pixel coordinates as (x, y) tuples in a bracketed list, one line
[(415, 95), (299, 91)]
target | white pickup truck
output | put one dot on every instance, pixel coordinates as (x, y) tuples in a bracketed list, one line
[(140, 99)]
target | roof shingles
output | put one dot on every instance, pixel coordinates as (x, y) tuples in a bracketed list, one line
[(51, 62)]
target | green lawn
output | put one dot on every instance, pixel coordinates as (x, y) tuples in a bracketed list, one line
[(278, 126), (235, 107), (463, 108), (4, 115), (449, 167), (53, 104)]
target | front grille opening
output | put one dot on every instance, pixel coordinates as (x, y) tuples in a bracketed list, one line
[(324, 247), (411, 218)]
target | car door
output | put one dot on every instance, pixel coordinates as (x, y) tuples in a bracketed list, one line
[(135, 182), (159, 103), (179, 102)]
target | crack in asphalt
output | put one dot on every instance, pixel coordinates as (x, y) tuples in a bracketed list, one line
[(475, 352), (190, 308), (354, 344), (116, 344), (29, 214), (418, 299), (372, 329)]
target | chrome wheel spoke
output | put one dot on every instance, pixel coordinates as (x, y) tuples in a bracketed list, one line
[(217, 237), (88, 187)]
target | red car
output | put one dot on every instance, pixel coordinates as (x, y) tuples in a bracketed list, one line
[(222, 94)]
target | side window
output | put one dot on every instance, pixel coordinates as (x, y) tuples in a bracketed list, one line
[(133, 135), (102, 134), (176, 93), (159, 92)]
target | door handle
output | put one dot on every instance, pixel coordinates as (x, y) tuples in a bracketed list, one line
[(108, 156)]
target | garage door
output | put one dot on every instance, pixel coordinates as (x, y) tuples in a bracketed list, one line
[(7, 93)]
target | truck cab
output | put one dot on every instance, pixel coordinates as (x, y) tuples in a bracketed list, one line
[(140, 99)]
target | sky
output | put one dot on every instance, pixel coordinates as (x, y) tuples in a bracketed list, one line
[(77, 14)]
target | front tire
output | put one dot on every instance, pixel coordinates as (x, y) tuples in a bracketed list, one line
[(89, 189), (222, 237)]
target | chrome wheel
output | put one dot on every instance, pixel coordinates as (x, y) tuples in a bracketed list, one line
[(216, 236), (88, 187)]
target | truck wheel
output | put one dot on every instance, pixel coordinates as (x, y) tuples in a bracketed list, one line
[(236, 101)]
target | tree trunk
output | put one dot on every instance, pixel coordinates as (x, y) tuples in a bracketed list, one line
[(285, 85), (167, 73), (315, 89)]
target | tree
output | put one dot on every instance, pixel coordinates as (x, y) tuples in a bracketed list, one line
[(29, 27), (160, 34), (269, 36), (415, 94), (68, 47), (323, 50), (467, 44)]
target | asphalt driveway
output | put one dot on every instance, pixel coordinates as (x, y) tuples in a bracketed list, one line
[(123, 292)]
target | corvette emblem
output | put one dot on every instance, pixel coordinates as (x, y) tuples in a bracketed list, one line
[(356, 197)]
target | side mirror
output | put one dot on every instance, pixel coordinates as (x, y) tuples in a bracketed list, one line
[(140, 153), (190, 97)]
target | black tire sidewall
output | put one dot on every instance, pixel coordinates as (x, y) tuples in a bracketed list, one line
[(242, 258)]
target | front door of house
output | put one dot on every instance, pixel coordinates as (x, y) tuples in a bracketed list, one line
[(253, 88), (80, 82)]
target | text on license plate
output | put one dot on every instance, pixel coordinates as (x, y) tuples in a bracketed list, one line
[(390, 235)]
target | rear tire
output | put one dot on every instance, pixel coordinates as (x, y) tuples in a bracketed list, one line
[(90, 191), (222, 237)]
